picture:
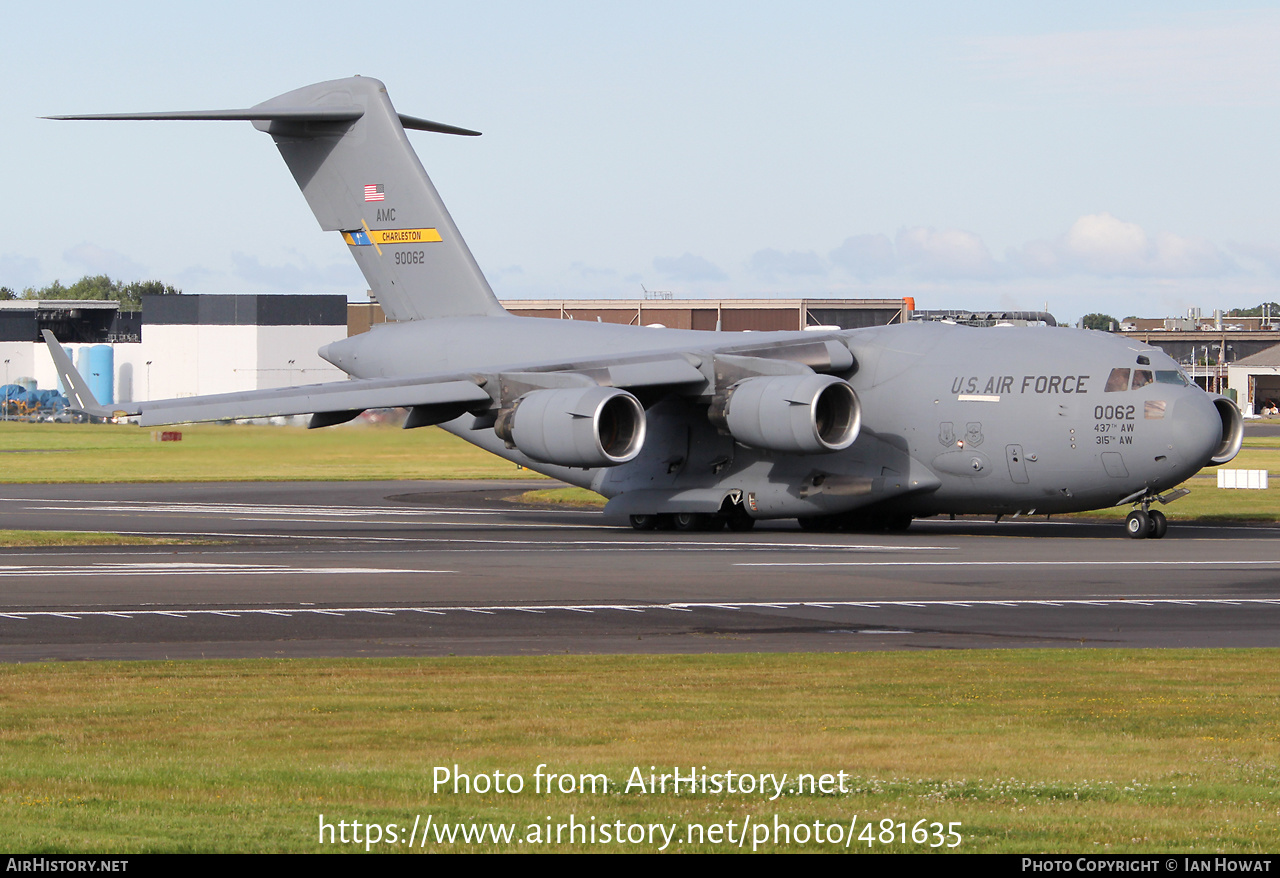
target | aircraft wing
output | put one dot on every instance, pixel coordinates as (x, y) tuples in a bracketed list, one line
[(434, 398), (336, 400)]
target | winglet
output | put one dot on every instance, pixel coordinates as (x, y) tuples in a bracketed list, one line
[(78, 392)]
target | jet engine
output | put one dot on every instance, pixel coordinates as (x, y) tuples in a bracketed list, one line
[(801, 414), (574, 426), (1232, 431)]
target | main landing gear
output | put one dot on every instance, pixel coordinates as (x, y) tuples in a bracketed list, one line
[(736, 519)]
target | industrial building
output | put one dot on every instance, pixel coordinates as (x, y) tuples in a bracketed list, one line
[(186, 345), (1235, 356), (177, 345), (729, 315)]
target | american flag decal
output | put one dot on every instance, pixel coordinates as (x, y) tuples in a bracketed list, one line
[(373, 192)]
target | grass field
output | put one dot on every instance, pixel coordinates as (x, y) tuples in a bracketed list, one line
[(47, 538), (1085, 751), (240, 452), (1057, 751)]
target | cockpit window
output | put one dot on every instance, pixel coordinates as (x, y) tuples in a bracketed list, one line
[(1141, 378), (1170, 377), (1118, 380)]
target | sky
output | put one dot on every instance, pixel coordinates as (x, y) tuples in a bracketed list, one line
[(1120, 158)]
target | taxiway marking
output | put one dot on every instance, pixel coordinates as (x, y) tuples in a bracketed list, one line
[(681, 606), (187, 568)]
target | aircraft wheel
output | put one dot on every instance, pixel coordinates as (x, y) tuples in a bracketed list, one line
[(644, 522), (741, 522), (1159, 524), (690, 521), (666, 521), (815, 522), (1138, 525)]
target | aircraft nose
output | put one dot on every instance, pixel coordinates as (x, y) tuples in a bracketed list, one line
[(1196, 429)]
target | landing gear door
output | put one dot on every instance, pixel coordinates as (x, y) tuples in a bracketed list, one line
[(1017, 464)]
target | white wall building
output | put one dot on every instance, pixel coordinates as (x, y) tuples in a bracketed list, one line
[(182, 345)]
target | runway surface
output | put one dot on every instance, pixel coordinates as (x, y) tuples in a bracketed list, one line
[(440, 568)]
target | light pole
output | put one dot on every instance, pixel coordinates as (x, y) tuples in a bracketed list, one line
[(149, 379), (6, 390)]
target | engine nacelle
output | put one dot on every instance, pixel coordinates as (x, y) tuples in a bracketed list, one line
[(801, 414), (1232, 431), (575, 426)]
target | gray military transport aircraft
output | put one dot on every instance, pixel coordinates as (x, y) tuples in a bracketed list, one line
[(852, 429)]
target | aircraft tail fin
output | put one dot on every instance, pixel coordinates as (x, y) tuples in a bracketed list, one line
[(79, 395), (346, 146)]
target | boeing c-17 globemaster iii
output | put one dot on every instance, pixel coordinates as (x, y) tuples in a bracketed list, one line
[(694, 430)]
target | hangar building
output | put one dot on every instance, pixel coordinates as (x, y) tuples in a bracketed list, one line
[(179, 345)]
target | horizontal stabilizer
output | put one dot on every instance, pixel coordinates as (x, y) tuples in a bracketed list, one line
[(267, 114), (253, 114), (438, 127)]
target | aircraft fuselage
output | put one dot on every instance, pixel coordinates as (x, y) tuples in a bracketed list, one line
[(954, 419)]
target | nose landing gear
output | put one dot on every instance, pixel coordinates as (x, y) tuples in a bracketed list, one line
[(1147, 522), (1140, 525)]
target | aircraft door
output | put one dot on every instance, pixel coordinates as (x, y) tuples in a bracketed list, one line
[(1017, 464)]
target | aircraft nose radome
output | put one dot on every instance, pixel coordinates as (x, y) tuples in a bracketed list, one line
[(1196, 432)]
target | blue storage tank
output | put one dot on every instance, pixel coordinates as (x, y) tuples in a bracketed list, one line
[(101, 373)]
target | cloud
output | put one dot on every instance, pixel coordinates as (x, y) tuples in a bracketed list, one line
[(1206, 59), (950, 253), (774, 263), (1100, 244), (591, 271), (93, 259), (1267, 254), (920, 251), (688, 267), (1097, 244), (866, 256)]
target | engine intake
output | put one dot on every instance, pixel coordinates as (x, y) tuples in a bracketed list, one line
[(801, 414), (574, 426), (1232, 431)]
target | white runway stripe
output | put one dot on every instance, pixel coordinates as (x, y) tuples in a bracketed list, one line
[(492, 609), (273, 510), (187, 568), (1079, 562)]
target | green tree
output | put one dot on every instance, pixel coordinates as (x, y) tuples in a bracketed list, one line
[(131, 294), (1098, 321), (6, 293), (103, 288), (1272, 308)]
